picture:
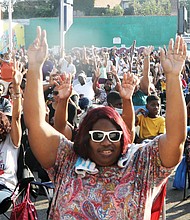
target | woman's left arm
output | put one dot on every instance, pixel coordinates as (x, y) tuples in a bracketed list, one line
[(171, 144)]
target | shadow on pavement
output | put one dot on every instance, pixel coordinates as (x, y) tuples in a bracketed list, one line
[(176, 207)]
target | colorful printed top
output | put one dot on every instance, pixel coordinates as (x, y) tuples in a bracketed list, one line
[(111, 193)]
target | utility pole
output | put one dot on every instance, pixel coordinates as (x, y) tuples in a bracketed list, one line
[(178, 15), (10, 11), (66, 20), (8, 5)]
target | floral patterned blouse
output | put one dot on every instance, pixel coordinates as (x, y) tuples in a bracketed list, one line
[(113, 193)]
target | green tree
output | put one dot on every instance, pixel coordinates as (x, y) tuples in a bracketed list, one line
[(50, 8), (31, 9), (85, 6), (115, 11), (152, 7), (118, 10)]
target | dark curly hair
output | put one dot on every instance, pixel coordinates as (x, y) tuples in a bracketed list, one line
[(81, 141), (5, 126)]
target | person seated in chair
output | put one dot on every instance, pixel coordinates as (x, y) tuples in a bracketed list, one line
[(114, 100), (150, 122), (83, 86)]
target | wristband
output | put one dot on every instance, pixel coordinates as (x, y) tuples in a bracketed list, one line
[(16, 96), (147, 56)]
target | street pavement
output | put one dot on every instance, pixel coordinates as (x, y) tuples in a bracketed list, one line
[(176, 207)]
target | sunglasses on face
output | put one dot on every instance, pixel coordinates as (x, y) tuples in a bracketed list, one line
[(99, 136)]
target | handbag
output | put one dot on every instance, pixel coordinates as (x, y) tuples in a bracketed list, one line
[(24, 210)]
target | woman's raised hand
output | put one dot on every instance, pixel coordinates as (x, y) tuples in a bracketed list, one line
[(173, 60)]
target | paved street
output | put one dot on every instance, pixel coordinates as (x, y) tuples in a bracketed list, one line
[(176, 207)]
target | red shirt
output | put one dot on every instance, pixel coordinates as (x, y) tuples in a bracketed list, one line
[(7, 71)]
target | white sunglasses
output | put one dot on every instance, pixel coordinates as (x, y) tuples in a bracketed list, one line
[(99, 136)]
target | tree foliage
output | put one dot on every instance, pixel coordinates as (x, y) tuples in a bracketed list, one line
[(115, 11), (152, 7), (30, 9), (50, 8), (85, 6)]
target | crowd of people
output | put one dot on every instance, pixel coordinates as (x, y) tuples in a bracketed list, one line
[(108, 127)]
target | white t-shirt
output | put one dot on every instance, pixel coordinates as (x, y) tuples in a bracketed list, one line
[(86, 89), (109, 65), (66, 67), (8, 163)]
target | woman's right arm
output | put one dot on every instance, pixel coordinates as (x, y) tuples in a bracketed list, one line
[(43, 138)]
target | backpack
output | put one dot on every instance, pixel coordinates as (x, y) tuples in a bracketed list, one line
[(180, 175)]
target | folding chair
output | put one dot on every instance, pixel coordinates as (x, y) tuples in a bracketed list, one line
[(5, 204), (187, 158), (185, 196), (159, 205), (48, 188)]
